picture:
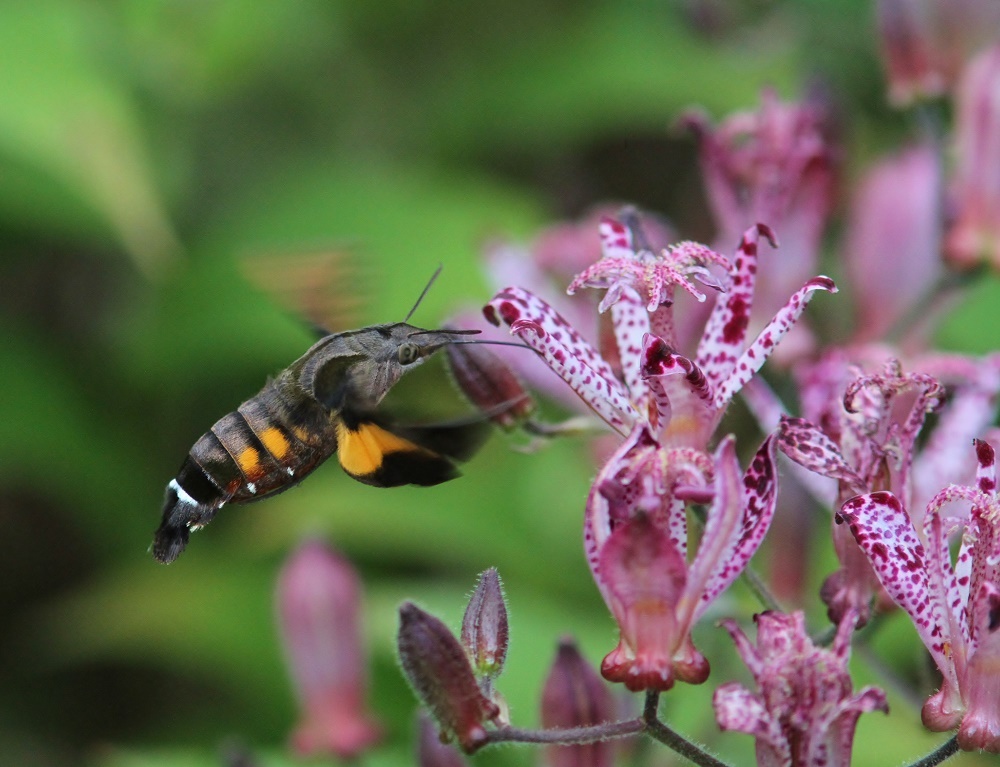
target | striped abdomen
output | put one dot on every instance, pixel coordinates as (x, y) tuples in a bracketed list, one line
[(263, 447), (268, 444)]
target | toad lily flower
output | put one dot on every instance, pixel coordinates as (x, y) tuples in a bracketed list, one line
[(775, 164), (667, 406), (866, 444), (954, 606), (803, 713)]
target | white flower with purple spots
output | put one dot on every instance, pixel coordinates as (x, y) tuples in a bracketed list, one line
[(667, 407), (955, 605)]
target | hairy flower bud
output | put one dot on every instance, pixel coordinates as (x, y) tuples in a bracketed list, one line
[(484, 627), (439, 671), (490, 384), (319, 605), (575, 696)]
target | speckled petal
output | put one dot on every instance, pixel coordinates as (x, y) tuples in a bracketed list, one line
[(566, 352), (882, 529), (754, 357), (725, 332), (805, 444), (758, 500), (722, 532), (739, 710), (631, 325)]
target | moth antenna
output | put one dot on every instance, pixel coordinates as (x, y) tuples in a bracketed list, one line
[(444, 331), (424, 292)]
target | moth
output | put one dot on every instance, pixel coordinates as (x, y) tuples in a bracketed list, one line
[(323, 403)]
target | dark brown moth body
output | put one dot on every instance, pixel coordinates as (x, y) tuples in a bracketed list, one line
[(323, 403)]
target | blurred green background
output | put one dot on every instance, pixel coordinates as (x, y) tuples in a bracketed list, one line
[(147, 150)]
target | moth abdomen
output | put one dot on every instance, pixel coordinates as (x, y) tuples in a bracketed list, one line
[(268, 444)]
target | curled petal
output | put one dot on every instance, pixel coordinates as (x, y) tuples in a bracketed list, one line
[(566, 352), (737, 709), (804, 713)]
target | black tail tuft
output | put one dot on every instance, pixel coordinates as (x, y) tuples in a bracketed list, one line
[(181, 515), (169, 541)]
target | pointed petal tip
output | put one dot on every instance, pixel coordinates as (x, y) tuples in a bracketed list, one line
[(822, 282), (763, 230)]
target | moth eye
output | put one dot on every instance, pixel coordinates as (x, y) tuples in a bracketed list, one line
[(408, 353)]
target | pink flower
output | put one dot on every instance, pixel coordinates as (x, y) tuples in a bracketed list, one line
[(319, 607), (667, 406), (955, 605), (925, 42), (803, 713), (861, 430), (775, 165), (894, 239), (635, 536), (974, 237)]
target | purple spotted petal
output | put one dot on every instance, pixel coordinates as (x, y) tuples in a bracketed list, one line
[(805, 444), (739, 710), (986, 469), (754, 357), (757, 501), (722, 532), (882, 529), (725, 332), (566, 352), (616, 239), (631, 325), (681, 393)]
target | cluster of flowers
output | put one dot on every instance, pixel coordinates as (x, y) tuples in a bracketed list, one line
[(685, 330)]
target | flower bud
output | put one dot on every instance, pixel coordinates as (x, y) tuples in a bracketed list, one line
[(575, 696), (489, 384), (484, 627), (975, 235), (439, 671), (319, 606)]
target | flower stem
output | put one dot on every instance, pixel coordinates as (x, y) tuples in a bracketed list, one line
[(946, 751), (659, 731), (761, 590), (647, 723), (567, 736)]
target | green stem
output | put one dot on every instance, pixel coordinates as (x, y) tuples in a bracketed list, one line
[(659, 731)]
